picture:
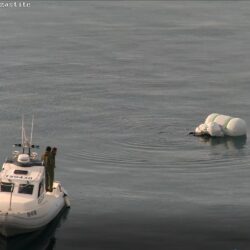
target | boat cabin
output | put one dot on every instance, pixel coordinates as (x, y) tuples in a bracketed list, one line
[(22, 182)]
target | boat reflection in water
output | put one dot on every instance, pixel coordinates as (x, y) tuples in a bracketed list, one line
[(40, 240), (228, 141)]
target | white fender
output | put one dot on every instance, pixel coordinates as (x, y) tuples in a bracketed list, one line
[(211, 118), (236, 127), (214, 129), (67, 201), (201, 129)]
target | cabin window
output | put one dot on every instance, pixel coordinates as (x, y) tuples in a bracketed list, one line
[(6, 187), (25, 189), (41, 188), (22, 172)]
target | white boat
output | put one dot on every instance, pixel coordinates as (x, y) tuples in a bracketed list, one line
[(25, 205)]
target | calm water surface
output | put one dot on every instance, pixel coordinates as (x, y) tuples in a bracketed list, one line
[(117, 86)]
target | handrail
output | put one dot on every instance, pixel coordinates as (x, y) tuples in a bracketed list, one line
[(11, 192)]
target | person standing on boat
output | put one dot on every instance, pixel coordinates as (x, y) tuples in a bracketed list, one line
[(53, 166), (47, 162)]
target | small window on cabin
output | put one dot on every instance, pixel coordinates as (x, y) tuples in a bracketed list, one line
[(6, 187), (41, 188), (25, 189), (22, 172)]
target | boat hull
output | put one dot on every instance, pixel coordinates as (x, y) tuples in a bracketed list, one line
[(14, 223)]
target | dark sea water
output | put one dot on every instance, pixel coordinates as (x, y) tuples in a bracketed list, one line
[(117, 86)]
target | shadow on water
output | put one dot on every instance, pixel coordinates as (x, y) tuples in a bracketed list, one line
[(40, 240), (229, 142)]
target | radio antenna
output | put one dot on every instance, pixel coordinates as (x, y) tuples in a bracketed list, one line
[(22, 130), (31, 132), (27, 142)]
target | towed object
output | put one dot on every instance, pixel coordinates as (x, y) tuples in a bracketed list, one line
[(218, 125)]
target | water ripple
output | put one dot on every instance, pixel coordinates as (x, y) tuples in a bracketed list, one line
[(149, 142), (151, 134)]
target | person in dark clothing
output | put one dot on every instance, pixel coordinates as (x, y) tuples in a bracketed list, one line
[(53, 166), (53, 157), (47, 162)]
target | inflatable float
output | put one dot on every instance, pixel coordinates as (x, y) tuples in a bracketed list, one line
[(218, 125)]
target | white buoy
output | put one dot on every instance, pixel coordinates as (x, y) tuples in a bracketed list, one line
[(236, 127), (201, 129), (214, 129), (67, 201), (211, 118)]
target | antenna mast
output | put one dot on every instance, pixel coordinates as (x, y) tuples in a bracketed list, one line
[(31, 132), (22, 130), (27, 142)]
